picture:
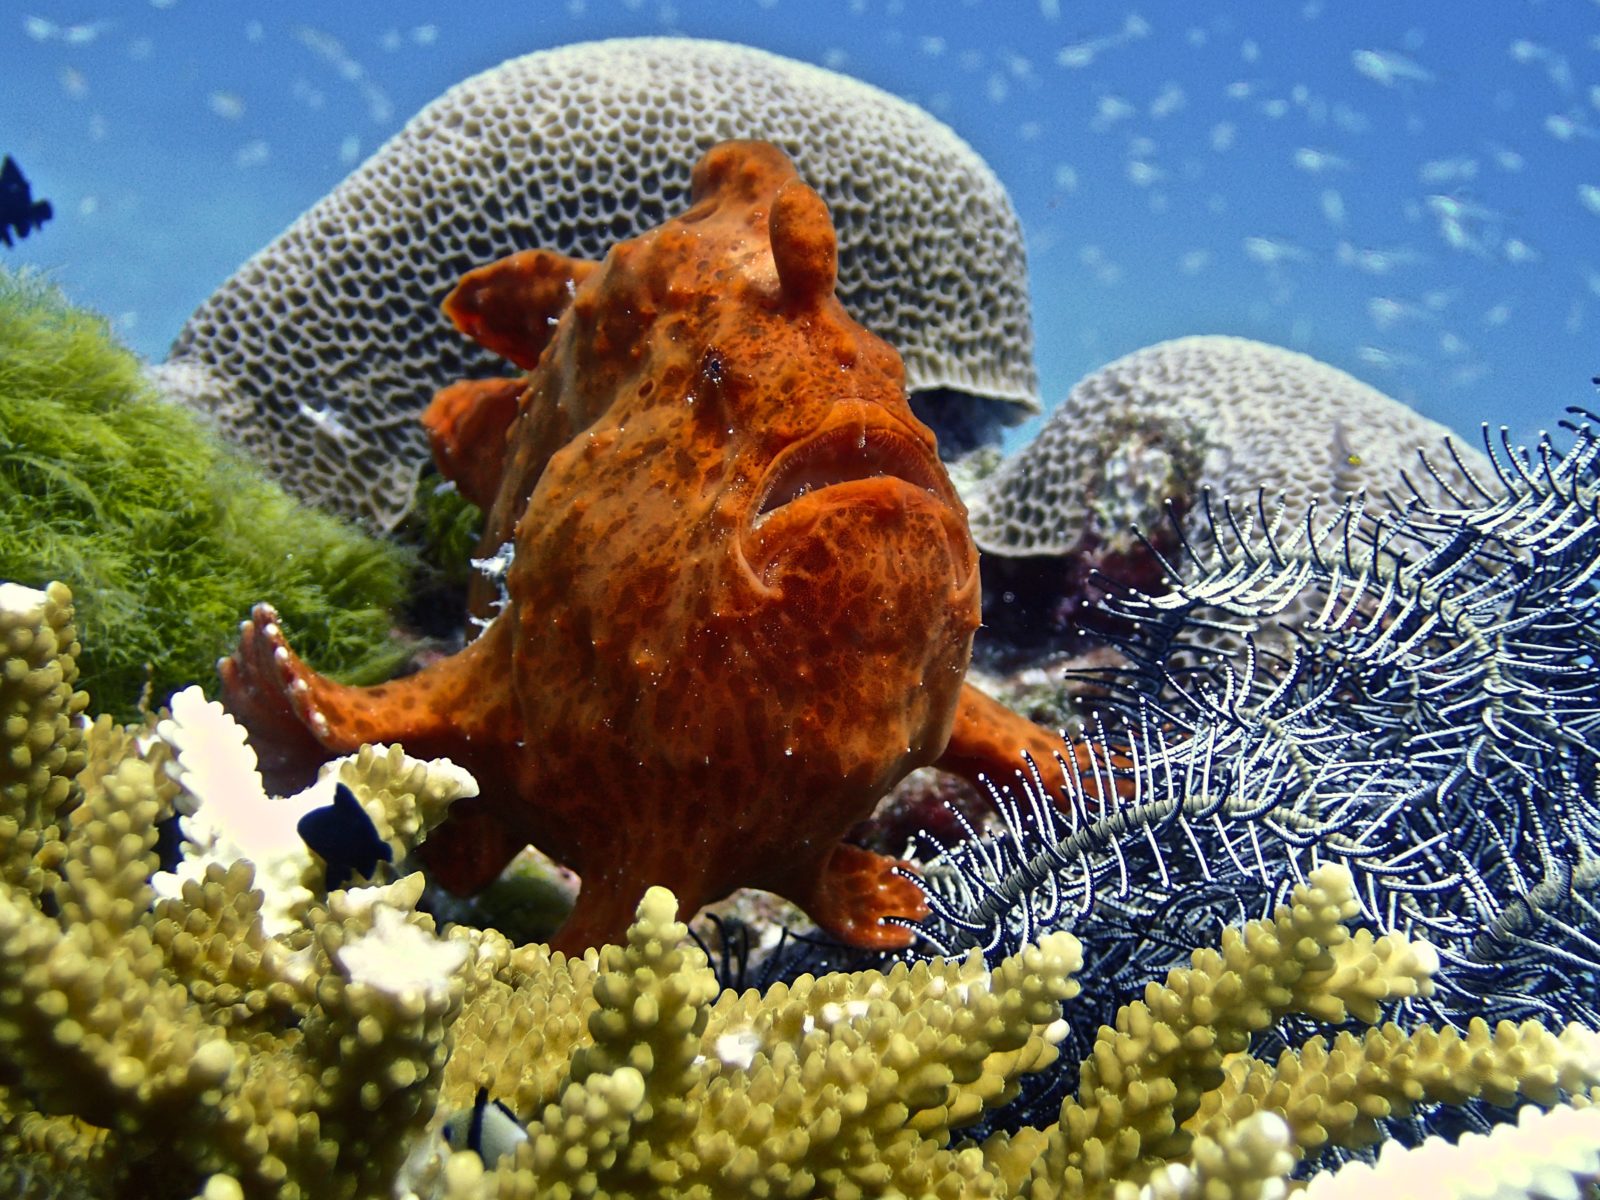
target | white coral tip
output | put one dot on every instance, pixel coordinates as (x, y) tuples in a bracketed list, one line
[(23, 602), (396, 957)]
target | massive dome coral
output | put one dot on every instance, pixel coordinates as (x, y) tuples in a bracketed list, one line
[(1224, 413), (1149, 445), (320, 351)]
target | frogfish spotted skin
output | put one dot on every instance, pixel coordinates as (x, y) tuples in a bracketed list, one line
[(742, 596)]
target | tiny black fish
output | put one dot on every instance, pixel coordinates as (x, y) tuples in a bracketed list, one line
[(169, 842), (19, 211), (344, 837), (488, 1128)]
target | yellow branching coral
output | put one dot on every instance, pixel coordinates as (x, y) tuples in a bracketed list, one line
[(1172, 1081), (43, 743), (1247, 1161), (235, 1030), (148, 1042), (844, 1085), (1337, 1093), (1145, 1077)]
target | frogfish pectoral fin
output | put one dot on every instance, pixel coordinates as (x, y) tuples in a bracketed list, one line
[(855, 890), (989, 739), (467, 424), (511, 305), (297, 719), (260, 688)]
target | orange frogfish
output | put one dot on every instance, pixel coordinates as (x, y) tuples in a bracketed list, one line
[(741, 593)]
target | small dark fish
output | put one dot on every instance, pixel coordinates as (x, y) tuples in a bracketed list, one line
[(344, 837), (169, 842), (489, 1129), (19, 211)]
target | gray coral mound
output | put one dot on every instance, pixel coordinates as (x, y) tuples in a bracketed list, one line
[(1226, 413), (319, 353)]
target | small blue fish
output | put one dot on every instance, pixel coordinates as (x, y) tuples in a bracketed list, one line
[(344, 837)]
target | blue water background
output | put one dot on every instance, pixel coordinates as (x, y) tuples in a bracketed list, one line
[(1409, 191)]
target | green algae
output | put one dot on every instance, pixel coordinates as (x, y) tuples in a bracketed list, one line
[(166, 535)]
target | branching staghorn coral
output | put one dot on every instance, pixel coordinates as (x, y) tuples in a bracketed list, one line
[(843, 1085), (1154, 1078), (150, 1042), (44, 746), (832, 1087), (235, 1029)]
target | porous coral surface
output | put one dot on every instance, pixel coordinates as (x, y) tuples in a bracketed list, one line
[(1143, 449), (1225, 413)]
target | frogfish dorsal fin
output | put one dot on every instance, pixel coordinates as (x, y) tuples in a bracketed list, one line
[(804, 247), (511, 305)]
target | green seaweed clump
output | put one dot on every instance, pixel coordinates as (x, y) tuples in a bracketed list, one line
[(167, 534)]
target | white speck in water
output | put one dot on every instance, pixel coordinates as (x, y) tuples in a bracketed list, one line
[(325, 420), (252, 154), (227, 105)]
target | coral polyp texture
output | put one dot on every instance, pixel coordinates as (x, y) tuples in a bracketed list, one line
[(242, 1030), (319, 353), (1164, 423)]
